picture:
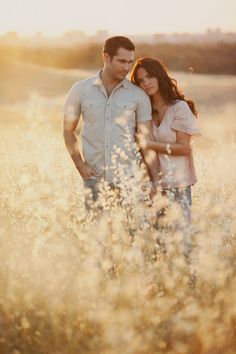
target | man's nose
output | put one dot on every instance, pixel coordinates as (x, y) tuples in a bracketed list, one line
[(126, 67)]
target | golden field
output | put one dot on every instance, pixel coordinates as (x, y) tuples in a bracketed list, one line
[(71, 285)]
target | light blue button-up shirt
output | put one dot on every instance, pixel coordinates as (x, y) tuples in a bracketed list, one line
[(109, 124)]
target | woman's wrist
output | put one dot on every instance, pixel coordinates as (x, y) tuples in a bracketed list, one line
[(168, 149)]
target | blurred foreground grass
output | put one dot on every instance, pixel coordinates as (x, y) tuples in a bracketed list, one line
[(68, 285)]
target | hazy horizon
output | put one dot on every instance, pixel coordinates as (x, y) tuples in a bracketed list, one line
[(71, 30)]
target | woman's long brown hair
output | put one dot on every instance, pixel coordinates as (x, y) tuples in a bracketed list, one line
[(167, 85)]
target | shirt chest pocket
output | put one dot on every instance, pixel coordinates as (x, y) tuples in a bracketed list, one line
[(124, 113), (91, 110)]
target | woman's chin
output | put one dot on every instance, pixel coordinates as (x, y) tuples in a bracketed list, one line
[(150, 92)]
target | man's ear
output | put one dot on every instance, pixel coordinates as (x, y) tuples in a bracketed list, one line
[(106, 58)]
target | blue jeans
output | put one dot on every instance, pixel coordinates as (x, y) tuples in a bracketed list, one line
[(184, 198), (92, 193)]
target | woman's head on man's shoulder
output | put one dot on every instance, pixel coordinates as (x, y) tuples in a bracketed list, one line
[(152, 75)]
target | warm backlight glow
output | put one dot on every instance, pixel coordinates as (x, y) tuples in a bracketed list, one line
[(124, 16)]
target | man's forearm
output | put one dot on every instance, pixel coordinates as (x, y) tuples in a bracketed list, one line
[(85, 170), (72, 147), (152, 162), (150, 157)]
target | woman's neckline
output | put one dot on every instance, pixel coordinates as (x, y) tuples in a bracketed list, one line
[(158, 126)]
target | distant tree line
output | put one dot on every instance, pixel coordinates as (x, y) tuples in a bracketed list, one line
[(201, 58)]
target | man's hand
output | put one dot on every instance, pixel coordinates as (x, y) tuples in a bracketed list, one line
[(85, 170), (156, 189), (153, 192)]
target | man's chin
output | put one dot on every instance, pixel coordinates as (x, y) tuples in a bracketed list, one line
[(122, 76)]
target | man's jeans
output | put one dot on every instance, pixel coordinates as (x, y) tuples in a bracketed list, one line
[(93, 188)]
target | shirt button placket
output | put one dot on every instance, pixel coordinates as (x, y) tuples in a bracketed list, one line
[(106, 140)]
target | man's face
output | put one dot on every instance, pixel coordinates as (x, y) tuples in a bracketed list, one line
[(119, 66)]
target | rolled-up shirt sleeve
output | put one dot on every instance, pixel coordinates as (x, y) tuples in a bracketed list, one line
[(144, 108), (71, 107)]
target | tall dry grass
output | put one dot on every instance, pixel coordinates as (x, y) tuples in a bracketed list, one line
[(69, 284)]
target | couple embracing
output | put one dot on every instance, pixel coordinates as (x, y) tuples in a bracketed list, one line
[(118, 115)]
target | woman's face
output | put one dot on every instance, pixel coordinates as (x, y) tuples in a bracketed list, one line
[(146, 82)]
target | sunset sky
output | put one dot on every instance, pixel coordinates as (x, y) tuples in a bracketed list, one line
[(54, 17)]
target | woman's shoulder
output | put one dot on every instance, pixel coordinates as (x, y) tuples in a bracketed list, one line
[(180, 104), (183, 119), (181, 109)]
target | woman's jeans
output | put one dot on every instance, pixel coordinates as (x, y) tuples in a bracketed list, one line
[(184, 198)]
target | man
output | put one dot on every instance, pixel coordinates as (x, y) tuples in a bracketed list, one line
[(113, 110)]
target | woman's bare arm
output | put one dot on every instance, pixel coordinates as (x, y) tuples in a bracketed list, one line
[(180, 148)]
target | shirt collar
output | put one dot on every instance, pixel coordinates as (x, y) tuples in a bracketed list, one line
[(97, 81)]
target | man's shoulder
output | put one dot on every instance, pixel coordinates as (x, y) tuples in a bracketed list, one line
[(136, 90), (81, 84)]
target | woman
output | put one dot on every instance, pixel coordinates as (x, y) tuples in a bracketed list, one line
[(174, 125)]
